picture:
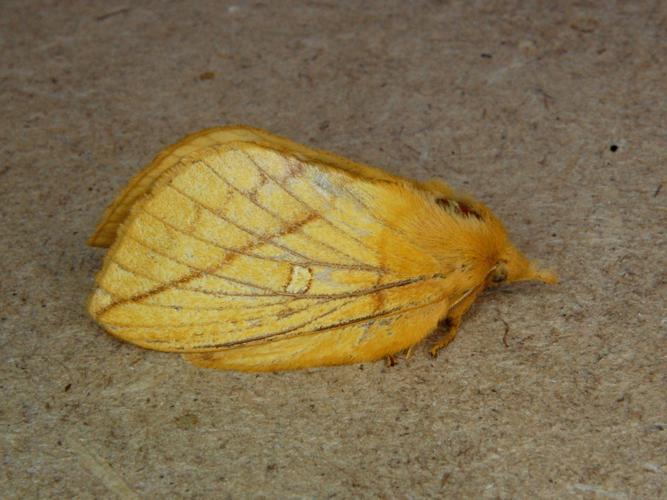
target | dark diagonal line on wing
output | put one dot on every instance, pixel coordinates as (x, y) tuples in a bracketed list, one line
[(303, 263), (202, 270), (277, 216), (259, 240), (219, 215), (199, 272), (228, 305), (303, 203), (143, 275)]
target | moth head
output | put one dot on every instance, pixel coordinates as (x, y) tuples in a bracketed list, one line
[(513, 266)]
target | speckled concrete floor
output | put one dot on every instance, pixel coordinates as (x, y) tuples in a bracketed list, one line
[(554, 116)]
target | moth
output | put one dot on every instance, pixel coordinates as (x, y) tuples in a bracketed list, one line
[(247, 251)]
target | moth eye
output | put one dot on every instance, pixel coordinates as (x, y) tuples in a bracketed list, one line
[(499, 274)]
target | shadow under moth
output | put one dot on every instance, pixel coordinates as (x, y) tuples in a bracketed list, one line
[(247, 251)]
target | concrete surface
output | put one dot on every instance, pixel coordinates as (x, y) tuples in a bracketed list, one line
[(554, 115)]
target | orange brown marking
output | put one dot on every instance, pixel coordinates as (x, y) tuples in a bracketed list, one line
[(458, 207), (252, 194), (379, 297), (294, 169), (310, 280), (289, 278), (192, 224)]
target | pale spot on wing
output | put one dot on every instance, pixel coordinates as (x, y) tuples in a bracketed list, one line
[(322, 181), (101, 299), (300, 280)]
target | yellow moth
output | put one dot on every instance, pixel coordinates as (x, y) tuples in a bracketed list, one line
[(247, 251)]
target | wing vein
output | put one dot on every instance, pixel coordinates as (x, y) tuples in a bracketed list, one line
[(124, 267), (213, 270)]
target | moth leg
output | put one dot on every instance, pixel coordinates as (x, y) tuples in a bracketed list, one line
[(408, 352), (449, 327), (390, 360)]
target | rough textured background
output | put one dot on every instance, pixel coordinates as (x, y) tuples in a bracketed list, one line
[(519, 103)]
